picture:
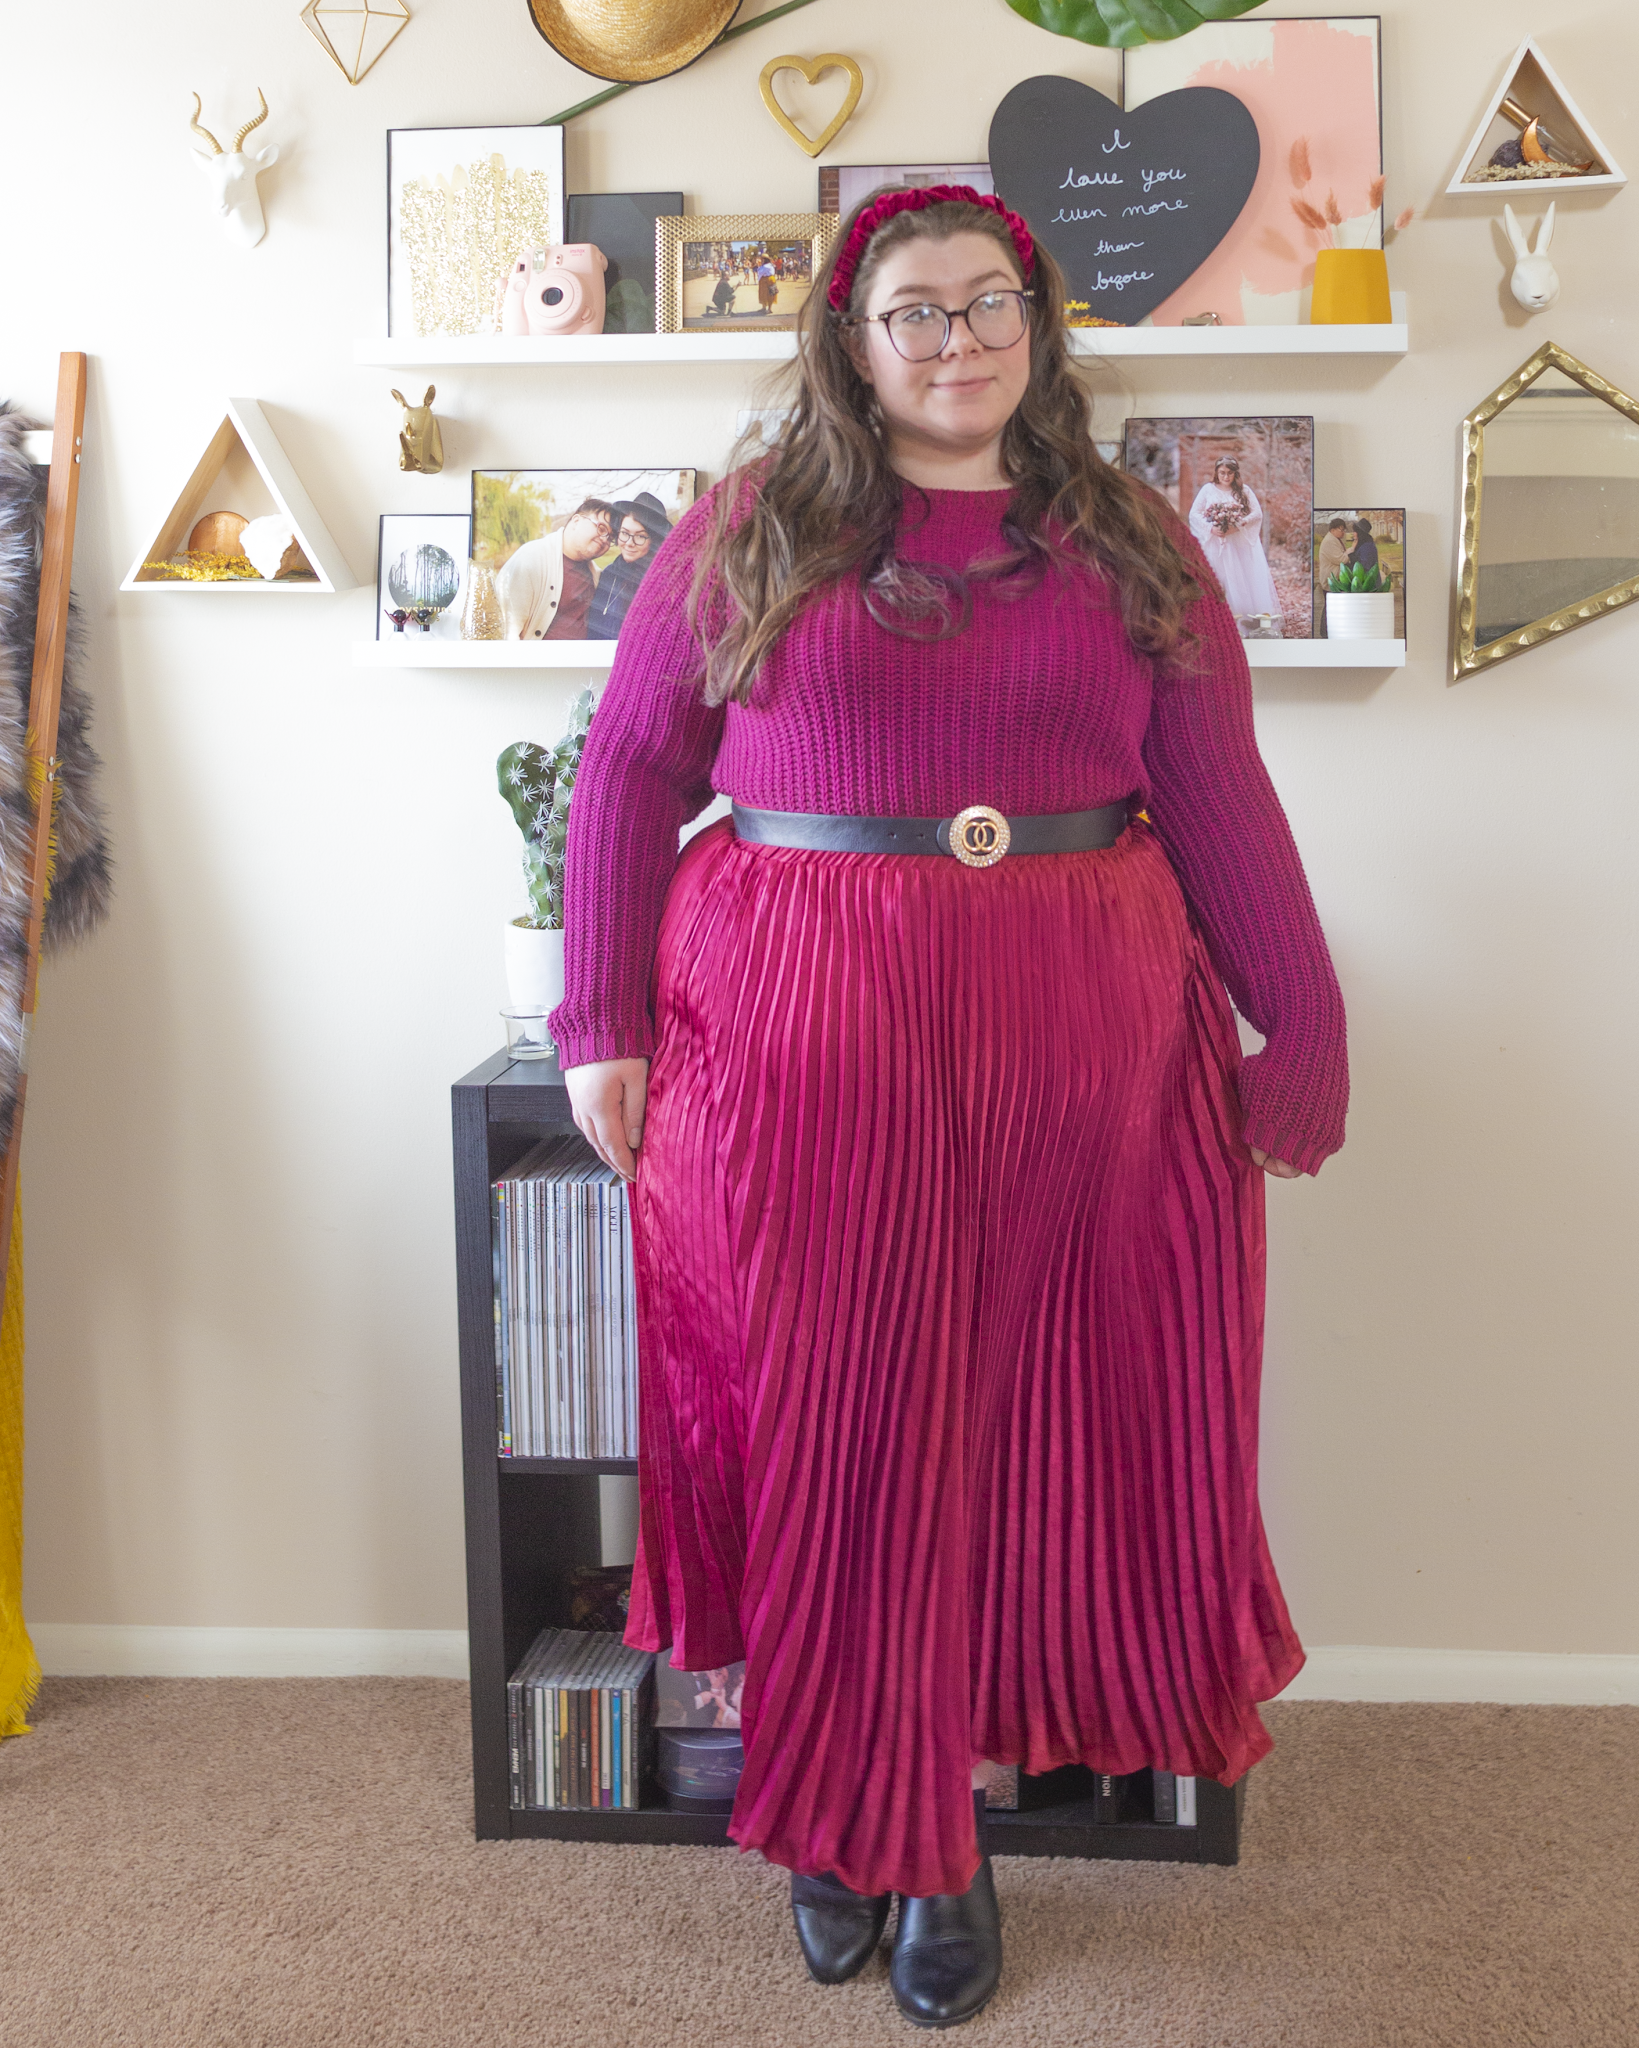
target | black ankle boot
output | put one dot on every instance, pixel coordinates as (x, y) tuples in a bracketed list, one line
[(947, 1950), (838, 1929)]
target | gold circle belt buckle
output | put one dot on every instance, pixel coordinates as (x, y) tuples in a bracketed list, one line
[(979, 836)]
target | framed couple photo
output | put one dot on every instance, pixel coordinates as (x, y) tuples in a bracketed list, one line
[(569, 548), (1371, 535)]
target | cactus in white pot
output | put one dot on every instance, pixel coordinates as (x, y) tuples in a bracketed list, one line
[(537, 783)]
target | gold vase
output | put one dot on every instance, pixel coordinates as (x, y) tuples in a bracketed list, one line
[(481, 617)]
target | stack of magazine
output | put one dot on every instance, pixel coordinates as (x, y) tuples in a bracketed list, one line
[(580, 1719), (565, 1306)]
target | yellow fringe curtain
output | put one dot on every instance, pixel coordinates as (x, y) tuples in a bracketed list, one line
[(19, 1667)]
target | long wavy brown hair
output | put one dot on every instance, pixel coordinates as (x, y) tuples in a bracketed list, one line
[(826, 503)]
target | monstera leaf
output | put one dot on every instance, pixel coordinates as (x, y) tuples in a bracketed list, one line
[(1124, 24)]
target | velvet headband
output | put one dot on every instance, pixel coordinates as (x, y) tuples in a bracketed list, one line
[(914, 201)]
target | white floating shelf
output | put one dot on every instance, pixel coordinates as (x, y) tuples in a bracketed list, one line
[(422, 651), (1326, 653), (245, 586), (551, 352), (1392, 338)]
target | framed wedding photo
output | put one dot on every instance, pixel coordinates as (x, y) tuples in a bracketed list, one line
[(722, 272), (1246, 487), (843, 186), (421, 574), (569, 547), (461, 204)]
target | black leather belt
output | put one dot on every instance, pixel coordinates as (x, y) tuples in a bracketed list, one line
[(978, 836)]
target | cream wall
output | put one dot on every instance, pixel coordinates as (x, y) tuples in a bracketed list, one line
[(242, 1351)]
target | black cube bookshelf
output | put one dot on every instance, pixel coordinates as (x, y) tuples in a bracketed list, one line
[(529, 1520)]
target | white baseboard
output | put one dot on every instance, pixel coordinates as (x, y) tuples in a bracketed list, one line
[(71, 1649), (1347, 1672), (1512, 1677)]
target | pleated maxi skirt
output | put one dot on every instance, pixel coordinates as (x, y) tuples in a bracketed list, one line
[(950, 1266)]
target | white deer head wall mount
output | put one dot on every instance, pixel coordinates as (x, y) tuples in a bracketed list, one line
[(232, 174)]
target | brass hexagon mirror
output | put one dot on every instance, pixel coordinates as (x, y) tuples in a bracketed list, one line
[(1550, 516)]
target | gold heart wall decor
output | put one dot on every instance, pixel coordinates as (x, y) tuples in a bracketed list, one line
[(812, 68)]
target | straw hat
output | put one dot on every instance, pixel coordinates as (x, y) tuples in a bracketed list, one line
[(630, 45)]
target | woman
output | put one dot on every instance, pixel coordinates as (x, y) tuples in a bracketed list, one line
[(1227, 520), (1363, 555), (641, 527), (949, 1218), (768, 287)]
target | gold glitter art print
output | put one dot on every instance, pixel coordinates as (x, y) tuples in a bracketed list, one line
[(353, 33), (462, 204)]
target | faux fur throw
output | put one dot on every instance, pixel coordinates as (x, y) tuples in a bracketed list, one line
[(81, 879)]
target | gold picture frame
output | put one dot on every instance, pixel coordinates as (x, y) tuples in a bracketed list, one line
[(682, 307), (1467, 658)]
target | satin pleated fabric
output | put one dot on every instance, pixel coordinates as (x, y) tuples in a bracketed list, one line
[(950, 1270)]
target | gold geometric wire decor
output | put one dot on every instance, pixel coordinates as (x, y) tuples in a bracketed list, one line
[(354, 35), (1469, 655)]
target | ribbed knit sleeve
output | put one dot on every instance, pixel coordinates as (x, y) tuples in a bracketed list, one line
[(645, 772), (1211, 800)]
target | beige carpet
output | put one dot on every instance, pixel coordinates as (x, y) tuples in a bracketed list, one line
[(233, 1863)]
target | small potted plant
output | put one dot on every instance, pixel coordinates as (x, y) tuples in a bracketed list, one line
[(537, 783), (1359, 603)]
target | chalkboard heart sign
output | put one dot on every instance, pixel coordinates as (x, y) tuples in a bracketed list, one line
[(1131, 204)]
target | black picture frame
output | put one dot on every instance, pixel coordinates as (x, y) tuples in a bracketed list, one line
[(396, 531), (545, 147), (621, 224)]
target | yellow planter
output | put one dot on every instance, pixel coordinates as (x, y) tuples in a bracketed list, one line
[(1351, 289)]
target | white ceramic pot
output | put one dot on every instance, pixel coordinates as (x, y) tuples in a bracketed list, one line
[(534, 968), (1360, 615)]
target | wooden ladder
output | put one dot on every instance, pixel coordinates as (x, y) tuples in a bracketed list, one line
[(45, 700)]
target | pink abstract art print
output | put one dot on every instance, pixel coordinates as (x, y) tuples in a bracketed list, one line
[(1314, 87)]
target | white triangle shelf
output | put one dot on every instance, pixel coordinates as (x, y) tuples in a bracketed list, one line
[(1532, 80), (245, 433)]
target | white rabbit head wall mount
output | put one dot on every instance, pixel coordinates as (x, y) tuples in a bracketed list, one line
[(1535, 282)]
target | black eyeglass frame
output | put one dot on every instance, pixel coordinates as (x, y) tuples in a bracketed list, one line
[(1024, 293)]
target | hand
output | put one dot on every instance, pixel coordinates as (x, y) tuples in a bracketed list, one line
[(1280, 1169), (608, 1098)]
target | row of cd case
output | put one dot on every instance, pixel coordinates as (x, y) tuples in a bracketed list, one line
[(580, 1718), (565, 1306)]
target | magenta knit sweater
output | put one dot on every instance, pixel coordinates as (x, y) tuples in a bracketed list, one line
[(1040, 704)]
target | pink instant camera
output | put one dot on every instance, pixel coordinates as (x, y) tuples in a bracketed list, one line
[(555, 291)]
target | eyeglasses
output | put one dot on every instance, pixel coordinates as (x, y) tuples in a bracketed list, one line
[(919, 333)]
